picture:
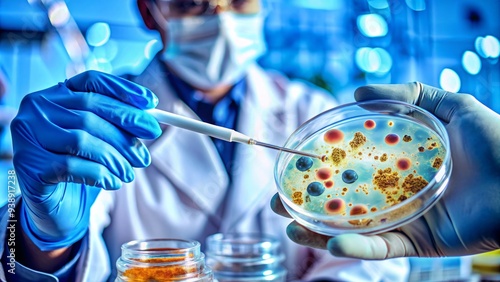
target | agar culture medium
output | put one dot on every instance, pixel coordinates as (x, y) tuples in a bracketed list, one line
[(370, 163)]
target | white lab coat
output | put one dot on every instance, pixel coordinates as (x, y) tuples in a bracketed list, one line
[(181, 193)]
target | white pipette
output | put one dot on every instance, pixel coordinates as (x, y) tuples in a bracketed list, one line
[(215, 131)]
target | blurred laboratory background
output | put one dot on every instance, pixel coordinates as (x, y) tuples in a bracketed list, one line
[(335, 44)]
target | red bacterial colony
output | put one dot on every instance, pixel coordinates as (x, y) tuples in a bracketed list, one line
[(392, 139), (333, 136), (403, 163), (335, 206), (324, 173), (359, 209), (329, 184), (370, 124)]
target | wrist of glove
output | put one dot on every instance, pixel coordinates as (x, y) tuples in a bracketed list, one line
[(50, 226)]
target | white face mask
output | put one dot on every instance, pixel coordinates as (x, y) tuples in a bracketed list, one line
[(207, 51)]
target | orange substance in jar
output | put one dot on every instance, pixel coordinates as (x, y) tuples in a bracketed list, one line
[(159, 270)]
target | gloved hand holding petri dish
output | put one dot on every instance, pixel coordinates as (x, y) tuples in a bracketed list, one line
[(384, 164)]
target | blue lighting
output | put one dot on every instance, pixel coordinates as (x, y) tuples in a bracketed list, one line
[(367, 60), (491, 46), (377, 60), (372, 25), (416, 5), (478, 45), (318, 4), (107, 51), (151, 48), (471, 62), (99, 64), (449, 80), (385, 61), (488, 46), (378, 4), (98, 34)]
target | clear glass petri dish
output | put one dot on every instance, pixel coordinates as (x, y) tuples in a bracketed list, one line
[(384, 164)]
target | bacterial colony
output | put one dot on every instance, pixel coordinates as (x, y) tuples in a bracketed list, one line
[(369, 164)]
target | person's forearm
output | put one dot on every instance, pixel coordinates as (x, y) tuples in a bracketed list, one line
[(45, 261)]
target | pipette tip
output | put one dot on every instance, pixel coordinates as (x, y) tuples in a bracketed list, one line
[(258, 143)]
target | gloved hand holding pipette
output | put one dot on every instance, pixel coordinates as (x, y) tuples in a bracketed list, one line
[(81, 136), (466, 220), (86, 139), (69, 141)]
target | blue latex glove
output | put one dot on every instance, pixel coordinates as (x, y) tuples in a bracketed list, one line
[(466, 220), (69, 141)]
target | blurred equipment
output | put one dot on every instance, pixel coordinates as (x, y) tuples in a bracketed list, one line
[(238, 257), (7, 113), (487, 265), (443, 269)]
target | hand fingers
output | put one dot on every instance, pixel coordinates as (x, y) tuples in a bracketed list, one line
[(59, 132), (62, 168), (277, 206), (102, 135), (303, 236), (89, 173), (402, 92), (383, 246), (137, 122), (441, 103), (114, 87), (55, 120), (82, 144), (36, 152)]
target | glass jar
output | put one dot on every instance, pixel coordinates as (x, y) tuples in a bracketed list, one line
[(237, 257), (162, 260)]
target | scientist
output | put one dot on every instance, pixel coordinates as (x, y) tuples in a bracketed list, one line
[(465, 221), (77, 138)]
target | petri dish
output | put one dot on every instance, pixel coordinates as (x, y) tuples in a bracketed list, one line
[(384, 164)]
